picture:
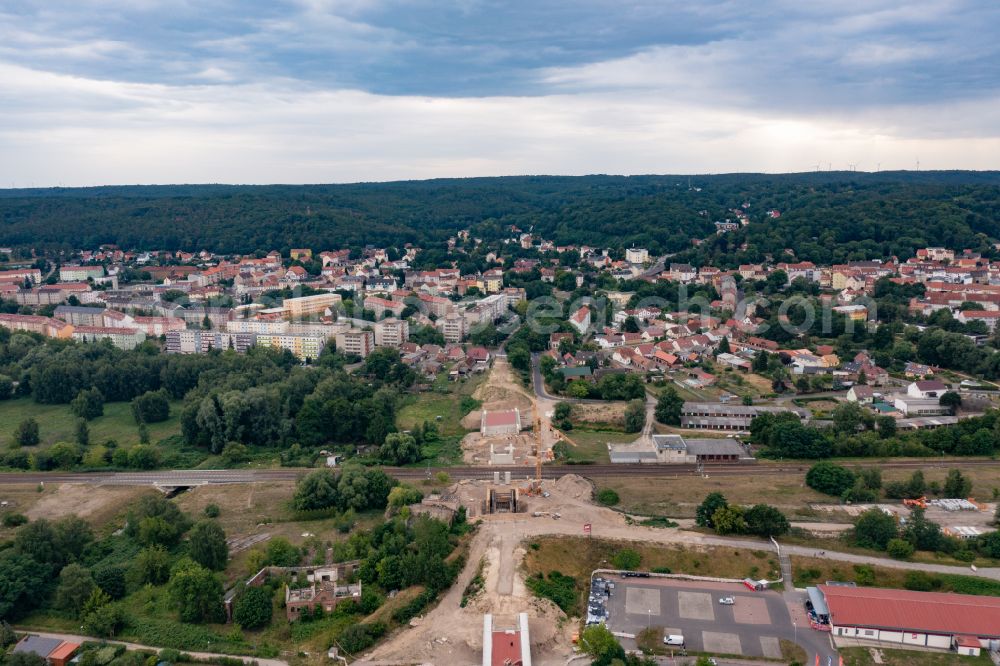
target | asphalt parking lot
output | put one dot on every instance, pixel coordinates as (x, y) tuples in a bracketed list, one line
[(753, 626)]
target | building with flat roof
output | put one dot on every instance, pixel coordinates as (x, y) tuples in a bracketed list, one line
[(941, 620), (920, 406), (391, 332), (356, 342), (265, 326), (303, 347), (676, 449), (201, 342), (506, 646), (453, 327)]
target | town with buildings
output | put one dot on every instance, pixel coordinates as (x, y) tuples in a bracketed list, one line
[(600, 318), (355, 332)]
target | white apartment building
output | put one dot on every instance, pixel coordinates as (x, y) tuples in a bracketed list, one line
[(123, 338), (391, 333), (311, 305), (636, 255), (303, 347), (256, 326), (80, 273), (453, 327), (200, 342)]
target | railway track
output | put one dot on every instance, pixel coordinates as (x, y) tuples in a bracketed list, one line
[(175, 478)]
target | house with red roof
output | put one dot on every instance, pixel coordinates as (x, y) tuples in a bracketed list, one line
[(506, 646), (580, 320)]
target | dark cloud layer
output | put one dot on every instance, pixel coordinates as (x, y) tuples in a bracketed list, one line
[(768, 51), (104, 91)]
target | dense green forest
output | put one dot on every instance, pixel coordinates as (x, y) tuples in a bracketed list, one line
[(825, 216)]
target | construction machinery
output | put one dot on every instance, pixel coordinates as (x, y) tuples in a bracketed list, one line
[(535, 487)]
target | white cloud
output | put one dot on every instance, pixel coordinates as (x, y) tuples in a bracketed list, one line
[(75, 131)]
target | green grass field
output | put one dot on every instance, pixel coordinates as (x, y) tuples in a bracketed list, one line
[(442, 405), (592, 445), (862, 656), (57, 423)]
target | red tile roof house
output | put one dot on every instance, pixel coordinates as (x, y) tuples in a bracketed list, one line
[(581, 319), (478, 355), (505, 422), (556, 338)]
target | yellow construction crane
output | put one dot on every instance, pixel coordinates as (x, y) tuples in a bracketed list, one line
[(538, 448)]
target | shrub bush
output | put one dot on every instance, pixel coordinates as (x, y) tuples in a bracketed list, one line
[(627, 559), (558, 588), (14, 519), (608, 497), (899, 548)]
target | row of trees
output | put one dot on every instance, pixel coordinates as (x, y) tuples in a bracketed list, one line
[(864, 485), (880, 530), (856, 433)]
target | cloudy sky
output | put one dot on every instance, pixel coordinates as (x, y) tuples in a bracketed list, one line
[(300, 91)]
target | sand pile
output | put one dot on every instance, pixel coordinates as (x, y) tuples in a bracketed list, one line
[(574, 486)]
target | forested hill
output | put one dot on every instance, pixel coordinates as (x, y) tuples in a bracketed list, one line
[(825, 216)]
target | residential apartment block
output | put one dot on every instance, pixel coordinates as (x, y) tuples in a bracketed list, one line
[(453, 327), (80, 273), (356, 342), (122, 338), (391, 333), (316, 304), (52, 328)]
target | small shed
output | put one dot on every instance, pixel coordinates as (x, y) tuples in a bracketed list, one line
[(55, 650), (967, 645), (63, 654)]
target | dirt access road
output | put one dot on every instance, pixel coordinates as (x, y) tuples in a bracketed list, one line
[(502, 389), (450, 634)]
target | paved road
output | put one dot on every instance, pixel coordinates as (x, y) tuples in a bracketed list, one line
[(135, 646)]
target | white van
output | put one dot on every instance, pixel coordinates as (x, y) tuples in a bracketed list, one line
[(673, 639)]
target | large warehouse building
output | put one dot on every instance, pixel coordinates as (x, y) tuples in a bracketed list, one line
[(961, 622)]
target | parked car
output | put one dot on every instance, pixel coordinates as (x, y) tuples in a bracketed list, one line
[(673, 639), (727, 601)]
